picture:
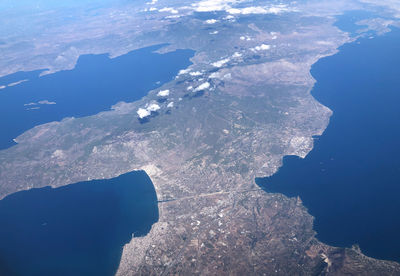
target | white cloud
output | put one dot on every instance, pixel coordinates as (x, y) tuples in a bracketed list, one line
[(170, 105), (43, 102), (153, 107), (324, 43), (258, 10), (213, 33), (233, 11), (171, 10), (278, 9), (163, 93), (220, 63), (228, 6), (262, 47), (145, 112), (218, 75), (183, 71), (33, 108), (236, 55), (46, 102), (202, 86), (195, 74), (213, 5), (152, 2), (152, 9), (16, 83), (211, 21), (214, 75), (229, 17), (189, 88), (249, 10), (142, 113), (247, 38), (58, 154), (173, 16)]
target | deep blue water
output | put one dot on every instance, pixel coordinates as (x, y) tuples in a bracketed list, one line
[(350, 182), (347, 21), (96, 83), (78, 229)]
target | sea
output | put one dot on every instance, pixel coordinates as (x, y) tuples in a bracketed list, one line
[(28, 99), (350, 181), (78, 229)]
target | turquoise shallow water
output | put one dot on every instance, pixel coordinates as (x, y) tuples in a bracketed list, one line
[(78, 229), (96, 83), (350, 182)]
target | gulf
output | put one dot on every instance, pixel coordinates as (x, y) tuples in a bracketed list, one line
[(350, 181)]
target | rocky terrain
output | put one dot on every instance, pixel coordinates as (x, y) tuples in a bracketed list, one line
[(230, 117)]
